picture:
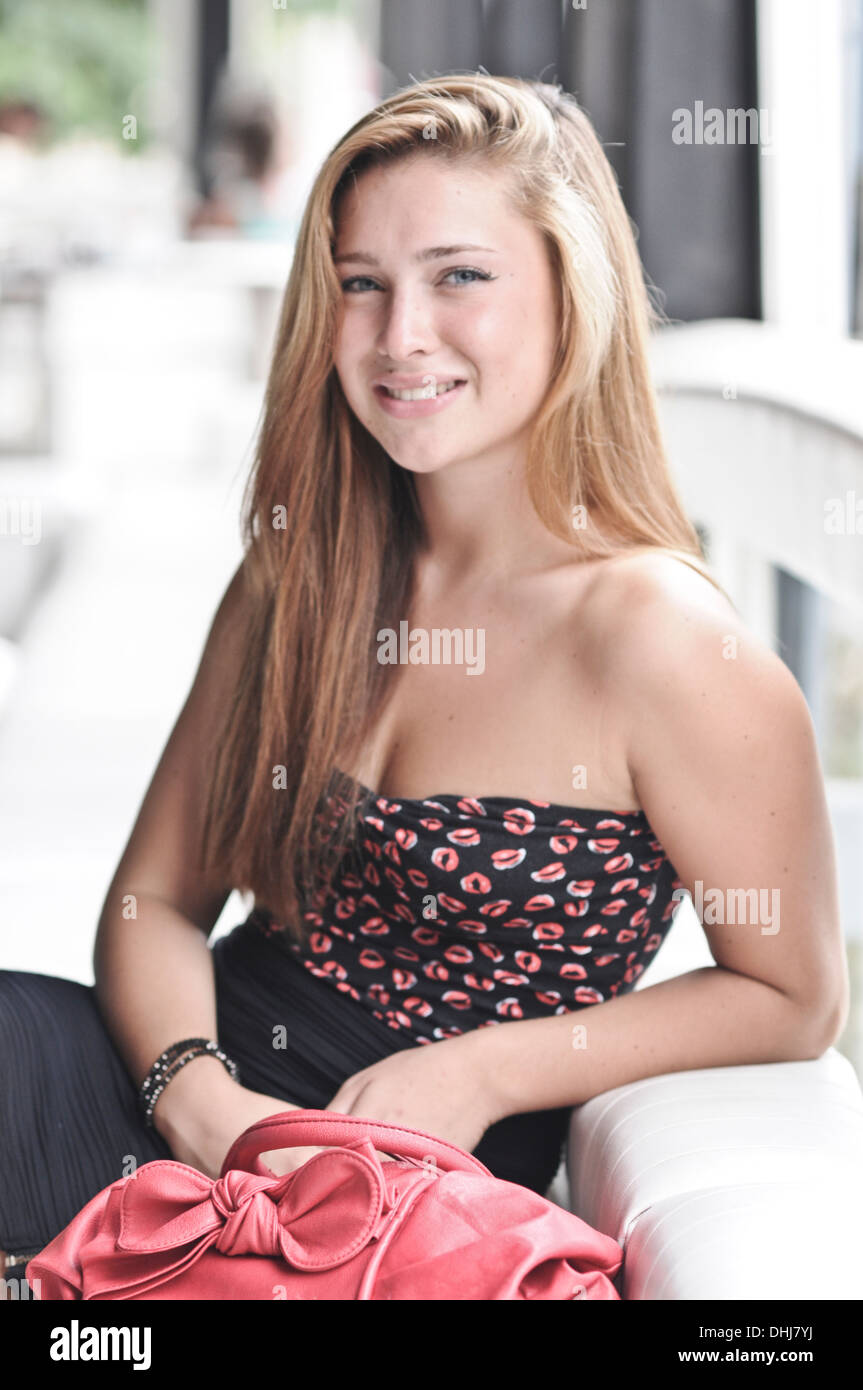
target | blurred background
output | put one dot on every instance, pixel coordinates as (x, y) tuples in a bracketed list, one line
[(154, 160)]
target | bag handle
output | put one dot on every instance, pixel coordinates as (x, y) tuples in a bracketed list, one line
[(311, 1128)]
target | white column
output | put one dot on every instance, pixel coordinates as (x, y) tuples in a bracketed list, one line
[(172, 92), (805, 252)]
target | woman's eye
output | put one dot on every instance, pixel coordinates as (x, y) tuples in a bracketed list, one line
[(469, 270), (350, 285), (357, 284)]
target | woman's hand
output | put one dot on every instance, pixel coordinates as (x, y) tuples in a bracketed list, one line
[(204, 1143), (208, 1110), (203, 1110), (442, 1088)]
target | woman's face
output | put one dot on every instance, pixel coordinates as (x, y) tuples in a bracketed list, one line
[(442, 282)]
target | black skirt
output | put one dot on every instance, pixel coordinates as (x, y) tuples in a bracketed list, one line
[(69, 1119)]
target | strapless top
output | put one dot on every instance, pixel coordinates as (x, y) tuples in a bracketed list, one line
[(460, 912)]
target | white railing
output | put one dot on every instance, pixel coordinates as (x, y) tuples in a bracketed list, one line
[(765, 434)]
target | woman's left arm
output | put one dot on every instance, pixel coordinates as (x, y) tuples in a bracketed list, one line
[(723, 755)]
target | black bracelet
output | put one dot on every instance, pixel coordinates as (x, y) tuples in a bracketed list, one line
[(164, 1058), (170, 1062)]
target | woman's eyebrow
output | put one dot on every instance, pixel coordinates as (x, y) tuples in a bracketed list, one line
[(431, 253)]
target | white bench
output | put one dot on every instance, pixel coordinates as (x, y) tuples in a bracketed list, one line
[(728, 1182)]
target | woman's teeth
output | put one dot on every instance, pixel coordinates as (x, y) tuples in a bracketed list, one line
[(421, 393)]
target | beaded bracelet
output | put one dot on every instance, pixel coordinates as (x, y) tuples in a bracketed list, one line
[(164, 1070), (166, 1057), (170, 1062)]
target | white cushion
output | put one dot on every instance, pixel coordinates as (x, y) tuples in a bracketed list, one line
[(700, 1175), (783, 1241)]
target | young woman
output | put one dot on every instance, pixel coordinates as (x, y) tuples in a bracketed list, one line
[(470, 713)]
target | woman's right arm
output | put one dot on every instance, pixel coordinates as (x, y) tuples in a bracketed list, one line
[(152, 962)]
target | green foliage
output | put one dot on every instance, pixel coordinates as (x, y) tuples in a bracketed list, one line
[(83, 62)]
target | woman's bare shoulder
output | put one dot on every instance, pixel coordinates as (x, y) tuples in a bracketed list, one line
[(666, 634), (652, 617), (660, 579), (638, 597)]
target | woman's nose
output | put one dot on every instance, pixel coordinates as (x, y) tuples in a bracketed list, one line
[(406, 324)]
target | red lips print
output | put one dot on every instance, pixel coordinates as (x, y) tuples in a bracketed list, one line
[(414, 1005), (496, 908), (481, 982), (457, 999), (519, 821), (511, 977), (444, 858), (463, 837), (549, 873), (571, 970), (625, 885), (527, 960), (542, 895), (618, 863), (450, 904), (548, 931), (489, 949), (459, 955), (540, 902), (581, 887), (475, 883), (371, 960), (577, 909), (508, 858), (509, 1008), (563, 844)]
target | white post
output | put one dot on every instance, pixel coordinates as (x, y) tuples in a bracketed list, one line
[(805, 252)]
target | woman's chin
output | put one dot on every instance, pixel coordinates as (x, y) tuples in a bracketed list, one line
[(422, 463)]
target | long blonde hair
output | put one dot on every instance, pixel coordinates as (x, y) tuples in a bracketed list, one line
[(331, 524)]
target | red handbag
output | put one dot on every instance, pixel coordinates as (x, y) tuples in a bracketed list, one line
[(430, 1223)]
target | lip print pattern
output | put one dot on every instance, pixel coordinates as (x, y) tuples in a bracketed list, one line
[(539, 909)]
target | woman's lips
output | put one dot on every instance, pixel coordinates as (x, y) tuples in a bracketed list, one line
[(426, 405)]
